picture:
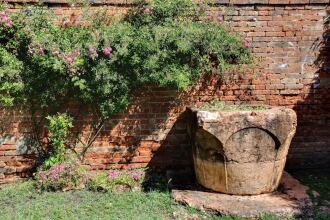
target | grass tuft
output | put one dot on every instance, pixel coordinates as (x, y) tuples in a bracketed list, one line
[(218, 105)]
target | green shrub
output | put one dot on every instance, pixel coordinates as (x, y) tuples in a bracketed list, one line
[(10, 79), (99, 182), (58, 128)]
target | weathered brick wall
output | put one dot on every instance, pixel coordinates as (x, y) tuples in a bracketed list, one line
[(292, 71)]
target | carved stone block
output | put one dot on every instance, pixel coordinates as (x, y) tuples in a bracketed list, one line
[(241, 152)]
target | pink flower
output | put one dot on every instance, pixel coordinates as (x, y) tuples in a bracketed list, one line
[(209, 17), (245, 43), (61, 166), (107, 51), (218, 19), (42, 176), (147, 10), (69, 60), (112, 174), (92, 53), (4, 19), (70, 57), (9, 24), (135, 176)]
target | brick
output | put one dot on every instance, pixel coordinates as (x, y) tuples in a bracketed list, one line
[(221, 1), (2, 164), (275, 86), (299, 1), (275, 34), (260, 87), (145, 153), (257, 24), (249, 13), (294, 76), (7, 147), (23, 169), (289, 92), (260, 98), (290, 33), (263, 13), (315, 7), (289, 80), (140, 159), (262, 39), (247, 87), (240, 2), (260, 92), (264, 18), (293, 86), (7, 170), (277, 23), (256, 34), (292, 27), (265, 8), (10, 153), (279, 2), (294, 7)]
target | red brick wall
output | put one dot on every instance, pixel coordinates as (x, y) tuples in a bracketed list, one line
[(292, 71)]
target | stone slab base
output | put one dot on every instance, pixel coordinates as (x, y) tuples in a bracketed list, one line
[(290, 200)]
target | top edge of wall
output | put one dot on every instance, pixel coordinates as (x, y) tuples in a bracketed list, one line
[(220, 2)]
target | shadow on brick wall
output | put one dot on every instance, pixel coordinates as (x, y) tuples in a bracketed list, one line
[(152, 132), (311, 144)]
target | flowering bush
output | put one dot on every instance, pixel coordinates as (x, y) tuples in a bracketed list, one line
[(165, 42), (62, 176), (170, 43), (5, 20), (116, 180)]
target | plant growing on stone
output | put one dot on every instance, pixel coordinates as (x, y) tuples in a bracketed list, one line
[(163, 42), (219, 105)]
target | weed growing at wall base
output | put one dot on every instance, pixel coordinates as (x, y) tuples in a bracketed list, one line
[(58, 127), (115, 180)]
